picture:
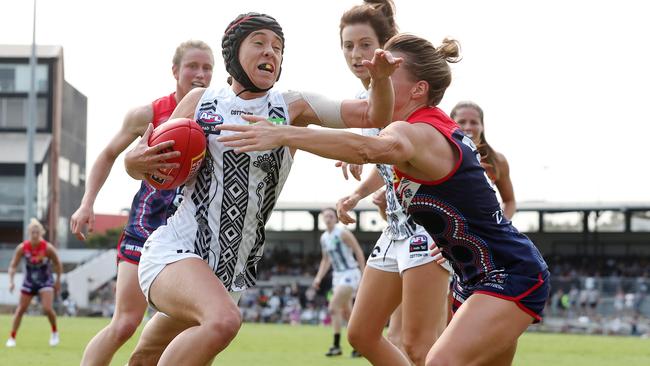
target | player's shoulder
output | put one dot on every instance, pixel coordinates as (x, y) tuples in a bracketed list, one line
[(138, 117)]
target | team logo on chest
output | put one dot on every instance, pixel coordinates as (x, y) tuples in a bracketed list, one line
[(208, 118)]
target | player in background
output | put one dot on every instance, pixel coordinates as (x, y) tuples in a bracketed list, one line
[(40, 256), (341, 251), (191, 67), (470, 118)]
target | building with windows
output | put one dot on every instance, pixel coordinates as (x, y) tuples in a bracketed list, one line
[(59, 144)]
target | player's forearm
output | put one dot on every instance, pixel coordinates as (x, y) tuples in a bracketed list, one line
[(131, 166), (322, 269), (11, 272), (370, 184), (96, 178), (509, 209), (361, 259), (381, 102), (58, 269), (336, 145)]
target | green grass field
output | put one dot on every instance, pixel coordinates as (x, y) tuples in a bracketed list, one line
[(275, 345)]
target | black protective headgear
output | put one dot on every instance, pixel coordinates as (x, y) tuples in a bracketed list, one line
[(235, 33)]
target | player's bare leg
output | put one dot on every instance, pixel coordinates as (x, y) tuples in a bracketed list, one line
[(424, 309), (23, 304), (484, 331), (130, 305), (188, 291), (339, 305), (394, 333), (47, 298), (155, 337), (378, 296)]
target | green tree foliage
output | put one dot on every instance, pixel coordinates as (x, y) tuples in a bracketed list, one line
[(108, 240)]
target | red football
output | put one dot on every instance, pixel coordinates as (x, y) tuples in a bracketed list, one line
[(190, 140)]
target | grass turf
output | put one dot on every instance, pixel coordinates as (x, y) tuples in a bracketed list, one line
[(275, 345)]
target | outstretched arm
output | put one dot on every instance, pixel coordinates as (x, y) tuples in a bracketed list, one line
[(393, 145), (376, 111)]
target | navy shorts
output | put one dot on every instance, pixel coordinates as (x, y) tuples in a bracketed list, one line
[(33, 287), (129, 248), (529, 293)]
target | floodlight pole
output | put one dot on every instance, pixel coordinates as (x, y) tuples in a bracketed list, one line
[(31, 128)]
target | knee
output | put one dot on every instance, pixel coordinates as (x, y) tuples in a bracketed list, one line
[(441, 359), (225, 327), (124, 327), (139, 358), (395, 338), (47, 309), (360, 339), (416, 352), (20, 310)]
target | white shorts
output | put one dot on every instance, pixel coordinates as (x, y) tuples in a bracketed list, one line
[(350, 278), (390, 255), (157, 253)]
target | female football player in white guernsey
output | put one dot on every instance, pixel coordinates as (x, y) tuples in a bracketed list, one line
[(340, 250), (400, 268), (212, 244)]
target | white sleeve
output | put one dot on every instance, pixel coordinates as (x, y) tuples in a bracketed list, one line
[(327, 110)]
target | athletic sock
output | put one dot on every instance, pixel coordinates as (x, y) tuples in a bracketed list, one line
[(13, 335), (337, 340), (54, 329)]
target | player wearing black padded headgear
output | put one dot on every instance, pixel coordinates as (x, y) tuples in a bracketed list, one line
[(235, 33)]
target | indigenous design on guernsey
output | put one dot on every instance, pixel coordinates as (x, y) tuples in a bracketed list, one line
[(462, 214), (150, 207), (233, 194), (38, 273), (340, 254), (400, 225)]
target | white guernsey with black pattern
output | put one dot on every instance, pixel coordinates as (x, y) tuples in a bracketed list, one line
[(225, 208)]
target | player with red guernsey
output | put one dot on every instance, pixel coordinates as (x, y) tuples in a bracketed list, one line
[(192, 67), (500, 278), (38, 279)]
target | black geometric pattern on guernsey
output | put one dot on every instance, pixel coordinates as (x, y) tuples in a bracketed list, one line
[(266, 194), (233, 212), (202, 200), (276, 112)]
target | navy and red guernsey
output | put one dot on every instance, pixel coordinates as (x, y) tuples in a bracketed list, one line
[(462, 214), (38, 272), (150, 207)]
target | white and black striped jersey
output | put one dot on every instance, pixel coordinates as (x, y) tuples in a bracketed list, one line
[(340, 254), (227, 205), (400, 225)]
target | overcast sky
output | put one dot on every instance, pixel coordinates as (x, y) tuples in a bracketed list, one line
[(564, 84)]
